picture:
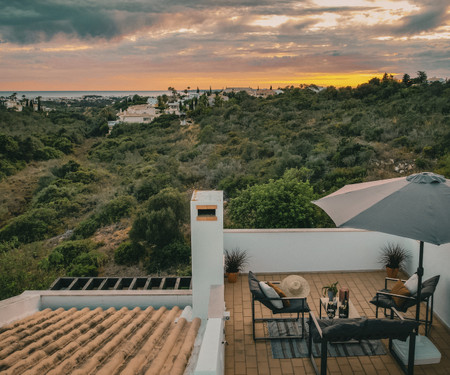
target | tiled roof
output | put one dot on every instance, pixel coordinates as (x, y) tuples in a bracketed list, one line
[(98, 342)]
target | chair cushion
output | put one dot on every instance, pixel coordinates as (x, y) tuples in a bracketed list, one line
[(269, 292), (429, 286), (364, 329), (296, 306), (400, 288), (412, 284), (285, 302), (256, 291)]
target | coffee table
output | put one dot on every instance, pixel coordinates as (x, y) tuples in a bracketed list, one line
[(352, 312)]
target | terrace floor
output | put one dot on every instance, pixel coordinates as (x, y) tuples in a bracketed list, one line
[(244, 356)]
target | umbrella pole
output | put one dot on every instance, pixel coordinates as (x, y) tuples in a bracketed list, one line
[(419, 283)]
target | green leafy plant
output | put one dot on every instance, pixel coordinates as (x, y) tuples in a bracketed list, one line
[(331, 287), (235, 260), (393, 256), (129, 253)]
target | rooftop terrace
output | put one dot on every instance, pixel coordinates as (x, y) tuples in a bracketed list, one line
[(245, 357)]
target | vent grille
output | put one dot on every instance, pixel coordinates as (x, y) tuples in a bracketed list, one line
[(121, 283)]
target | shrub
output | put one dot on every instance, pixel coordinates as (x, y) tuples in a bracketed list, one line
[(129, 253), (172, 256), (87, 264), (47, 153), (34, 225), (161, 220), (112, 212), (83, 270), (13, 243), (69, 251), (86, 228), (116, 209), (70, 166), (283, 203)]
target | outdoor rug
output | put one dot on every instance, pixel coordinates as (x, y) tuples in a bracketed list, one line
[(295, 348)]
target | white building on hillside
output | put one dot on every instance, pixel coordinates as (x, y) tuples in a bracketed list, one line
[(142, 114)]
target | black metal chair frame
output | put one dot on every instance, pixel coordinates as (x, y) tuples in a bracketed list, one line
[(255, 320), (407, 369), (428, 321), (298, 305)]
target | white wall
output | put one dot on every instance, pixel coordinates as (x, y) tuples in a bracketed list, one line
[(436, 261), (312, 250), (290, 250)]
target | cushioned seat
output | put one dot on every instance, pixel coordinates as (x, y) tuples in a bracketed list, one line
[(296, 305), (362, 329), (342, 330), (384, 299)]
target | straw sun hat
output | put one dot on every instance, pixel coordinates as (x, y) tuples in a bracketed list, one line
[(295, 286)]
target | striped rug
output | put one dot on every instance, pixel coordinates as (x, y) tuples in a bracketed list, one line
[(283, 349)]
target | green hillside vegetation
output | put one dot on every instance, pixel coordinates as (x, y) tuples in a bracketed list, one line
[(282, 151)]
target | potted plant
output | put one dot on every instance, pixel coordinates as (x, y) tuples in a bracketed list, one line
[(393, 257), (235, 260), (331, 290)]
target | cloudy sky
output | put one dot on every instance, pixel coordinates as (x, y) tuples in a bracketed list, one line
[(154, 44)]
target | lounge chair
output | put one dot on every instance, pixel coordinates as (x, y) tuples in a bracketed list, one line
[(384, 299), (297, 305)]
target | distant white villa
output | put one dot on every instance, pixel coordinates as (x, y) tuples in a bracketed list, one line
[(142, 113), (14, 104)]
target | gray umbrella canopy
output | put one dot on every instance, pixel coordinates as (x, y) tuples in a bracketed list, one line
[(417, 207)]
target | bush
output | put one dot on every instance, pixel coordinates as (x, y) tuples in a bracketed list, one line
[(175, 255), (68, 252), (86, 228), (112, 212), (34, 225), (283, 203), (86, 264), (116, 209), (161, 221), (13, 243), (129, 253), (20, 270)]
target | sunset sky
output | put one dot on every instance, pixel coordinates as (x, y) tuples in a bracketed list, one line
[(154, 44)]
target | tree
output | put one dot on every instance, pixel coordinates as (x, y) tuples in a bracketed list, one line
[(161, 220), (283, 203), (406, 80), (421, 77)]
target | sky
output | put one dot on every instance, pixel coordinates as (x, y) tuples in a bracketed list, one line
[(154, 44)]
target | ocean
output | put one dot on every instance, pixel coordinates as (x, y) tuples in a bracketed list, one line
[(79, 94)]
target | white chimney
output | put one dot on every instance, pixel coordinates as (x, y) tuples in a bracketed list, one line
[(207, 247)]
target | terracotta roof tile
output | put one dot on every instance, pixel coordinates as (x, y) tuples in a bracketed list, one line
[(98, 342)]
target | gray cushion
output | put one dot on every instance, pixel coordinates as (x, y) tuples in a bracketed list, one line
[(364, 329), (429, 286)]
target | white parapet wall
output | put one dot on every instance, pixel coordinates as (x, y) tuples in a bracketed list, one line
[(211, 359), (317, 250), (308, 250)]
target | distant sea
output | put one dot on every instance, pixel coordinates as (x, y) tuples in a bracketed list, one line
[(80, 94)]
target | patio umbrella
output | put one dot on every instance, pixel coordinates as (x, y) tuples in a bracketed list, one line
[(417, 207)]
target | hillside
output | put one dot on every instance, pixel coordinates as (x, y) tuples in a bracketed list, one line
[(60, 175)]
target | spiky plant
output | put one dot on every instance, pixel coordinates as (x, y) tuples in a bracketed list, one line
[(235, 260), (393, 256)]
